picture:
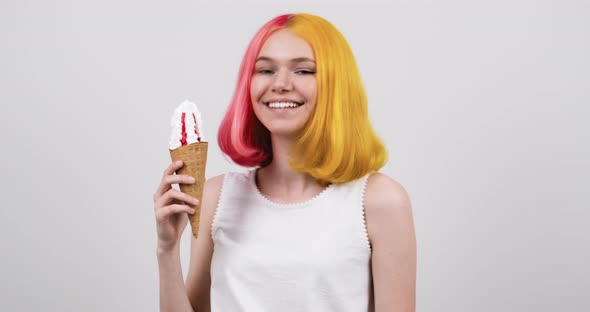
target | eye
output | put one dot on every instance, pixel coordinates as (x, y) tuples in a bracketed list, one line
[(264, 71), (305, 72)]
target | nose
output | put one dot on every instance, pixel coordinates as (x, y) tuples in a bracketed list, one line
[(282, 82)]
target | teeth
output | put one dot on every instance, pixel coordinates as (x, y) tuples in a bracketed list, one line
[(282, 104)]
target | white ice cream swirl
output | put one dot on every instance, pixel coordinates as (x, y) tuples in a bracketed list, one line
[(194, 130)]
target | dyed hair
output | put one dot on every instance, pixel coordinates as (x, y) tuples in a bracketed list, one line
[(345, 146)]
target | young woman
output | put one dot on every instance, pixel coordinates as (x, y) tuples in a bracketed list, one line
[(314, 226)]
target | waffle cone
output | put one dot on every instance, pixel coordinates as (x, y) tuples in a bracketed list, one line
[(194, 158)]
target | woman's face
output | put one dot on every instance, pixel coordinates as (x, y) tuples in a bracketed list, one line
[(284, 75)]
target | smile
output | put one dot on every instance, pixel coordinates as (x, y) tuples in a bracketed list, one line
[(283, 104)]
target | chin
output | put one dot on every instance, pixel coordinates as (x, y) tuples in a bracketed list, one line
[(283, 131)]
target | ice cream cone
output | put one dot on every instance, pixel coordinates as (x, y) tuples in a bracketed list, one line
[(194, 158)]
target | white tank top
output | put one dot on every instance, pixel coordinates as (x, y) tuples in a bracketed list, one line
[(309, 256)]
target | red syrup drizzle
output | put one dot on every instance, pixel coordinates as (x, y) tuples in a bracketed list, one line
[(183, 139)]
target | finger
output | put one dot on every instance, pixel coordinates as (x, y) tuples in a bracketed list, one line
[(171, 195), (166, 212), (178, 179), (167, 182), (173, 167), (163, 187)]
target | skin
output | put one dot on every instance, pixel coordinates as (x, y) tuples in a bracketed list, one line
[(285, 70)]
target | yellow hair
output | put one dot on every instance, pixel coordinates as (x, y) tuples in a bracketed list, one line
[(338, 143)]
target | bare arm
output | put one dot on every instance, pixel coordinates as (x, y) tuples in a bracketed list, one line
[(194, 296), (174, 296), (198, 280), (391, 231), (172, 293)]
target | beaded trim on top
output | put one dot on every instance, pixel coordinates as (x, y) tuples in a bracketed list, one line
[(252, 177), (364, 182)]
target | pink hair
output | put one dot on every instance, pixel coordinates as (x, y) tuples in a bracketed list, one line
[(241, 136)]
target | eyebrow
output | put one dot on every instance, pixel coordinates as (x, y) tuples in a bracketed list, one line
[(295, 60)]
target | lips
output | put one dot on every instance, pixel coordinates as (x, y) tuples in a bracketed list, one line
[(282, 101)]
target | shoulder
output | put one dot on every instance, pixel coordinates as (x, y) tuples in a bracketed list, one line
[(211, 191), (386, 203), (213, 186), (215, 182), (383, 192), (391, 232)]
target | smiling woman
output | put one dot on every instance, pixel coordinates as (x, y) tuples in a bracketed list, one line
[(267, 66), (298, 66), (302, 58), (283, 87), (314, 226)]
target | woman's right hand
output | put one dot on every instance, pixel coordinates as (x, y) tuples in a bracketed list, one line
[(171, 207)]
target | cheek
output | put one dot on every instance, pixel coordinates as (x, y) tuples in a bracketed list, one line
[(255, 88), (311, 90)]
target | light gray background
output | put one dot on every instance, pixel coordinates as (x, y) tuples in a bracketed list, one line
[(483, 105)]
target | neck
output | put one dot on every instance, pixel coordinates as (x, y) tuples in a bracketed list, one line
[(279, 178)]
